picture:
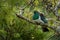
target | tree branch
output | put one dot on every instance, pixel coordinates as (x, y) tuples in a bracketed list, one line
[(41, 24), (28, 20)]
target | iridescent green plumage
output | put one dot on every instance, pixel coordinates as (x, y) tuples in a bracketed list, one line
[(38, 17)]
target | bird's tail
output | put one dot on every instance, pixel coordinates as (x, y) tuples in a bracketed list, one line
[(45, 29)]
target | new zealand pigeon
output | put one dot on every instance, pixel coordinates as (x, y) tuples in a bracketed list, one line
[(39, 17)]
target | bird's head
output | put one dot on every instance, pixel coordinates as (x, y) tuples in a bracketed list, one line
[(35, 12), (41, 14)]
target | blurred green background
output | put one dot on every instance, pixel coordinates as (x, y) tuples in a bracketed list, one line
[(14, 28)]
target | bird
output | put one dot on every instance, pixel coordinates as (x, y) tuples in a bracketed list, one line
[(36, 15), (43, 18), (39, 17)]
